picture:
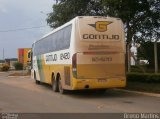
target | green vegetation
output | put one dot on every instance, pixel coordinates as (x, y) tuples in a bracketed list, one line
[(18, 66), (146, 52), (139, 68), (143, 82), (143, 87), (5, 67), (146, 77)]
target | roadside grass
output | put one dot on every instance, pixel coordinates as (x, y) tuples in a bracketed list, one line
[(20, 73), (143, 86)]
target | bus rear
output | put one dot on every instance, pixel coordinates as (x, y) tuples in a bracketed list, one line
[(98, 60)]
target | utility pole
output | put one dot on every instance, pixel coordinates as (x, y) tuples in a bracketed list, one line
[(155, 57), (3, 56), (128, 57), (3, 53)]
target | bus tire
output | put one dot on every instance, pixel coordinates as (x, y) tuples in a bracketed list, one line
[(54, 84), (35, 78), (37, 82), (61, 90)]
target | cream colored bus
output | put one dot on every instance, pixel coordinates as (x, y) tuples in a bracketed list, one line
[(88, 52)]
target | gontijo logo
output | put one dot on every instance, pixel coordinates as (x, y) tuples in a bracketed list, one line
[(101, 26)]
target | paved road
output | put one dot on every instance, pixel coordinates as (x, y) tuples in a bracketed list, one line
[(19, 94)]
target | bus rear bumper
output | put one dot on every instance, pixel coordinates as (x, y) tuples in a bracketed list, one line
[(80, 84)]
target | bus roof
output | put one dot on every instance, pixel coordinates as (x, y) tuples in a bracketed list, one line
[(69, 22)]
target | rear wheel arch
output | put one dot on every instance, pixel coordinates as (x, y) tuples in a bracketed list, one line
[(35, 78), (58, 77), (54, 83), (60, 86), (35, 75), (52, 78)]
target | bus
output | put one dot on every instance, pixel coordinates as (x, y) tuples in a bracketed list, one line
[(87, 52)]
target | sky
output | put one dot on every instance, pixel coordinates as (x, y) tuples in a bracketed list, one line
[(20, 14)]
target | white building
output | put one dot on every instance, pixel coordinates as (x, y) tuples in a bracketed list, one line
[(133, 55)]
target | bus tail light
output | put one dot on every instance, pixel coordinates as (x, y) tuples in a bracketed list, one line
[(74, 65)]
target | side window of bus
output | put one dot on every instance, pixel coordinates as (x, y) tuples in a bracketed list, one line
[(59, 40), (67, 36), (51, 46), (53, 42)]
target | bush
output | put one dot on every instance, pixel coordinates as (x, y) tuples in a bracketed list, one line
[(146, 77), (141, 69), (18, 66), (136, 69), (5, 67)]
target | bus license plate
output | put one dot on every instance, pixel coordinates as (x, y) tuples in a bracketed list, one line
[(102, 80)]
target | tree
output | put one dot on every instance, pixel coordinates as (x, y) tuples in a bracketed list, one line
[(5, 67), (146, 52), (18, 66), (65, 10), (141, 19)]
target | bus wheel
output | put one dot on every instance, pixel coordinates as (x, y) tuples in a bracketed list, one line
[(37, 82), (61, 90), (35, 78), (54, 85)]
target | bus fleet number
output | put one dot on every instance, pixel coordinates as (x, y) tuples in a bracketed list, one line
[(64, 56)]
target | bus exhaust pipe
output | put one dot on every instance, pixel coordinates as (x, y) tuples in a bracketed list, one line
[(86, 87)]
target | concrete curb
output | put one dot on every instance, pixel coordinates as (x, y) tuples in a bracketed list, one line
[(19, 76), (2, 72), (142, 93)]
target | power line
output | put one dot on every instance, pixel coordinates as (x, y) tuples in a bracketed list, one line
[(21, 29)]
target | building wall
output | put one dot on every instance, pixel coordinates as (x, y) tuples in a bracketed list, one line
[(23, 54)]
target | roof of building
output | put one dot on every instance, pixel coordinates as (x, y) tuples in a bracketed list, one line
[(2, 61), (11, 59)]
